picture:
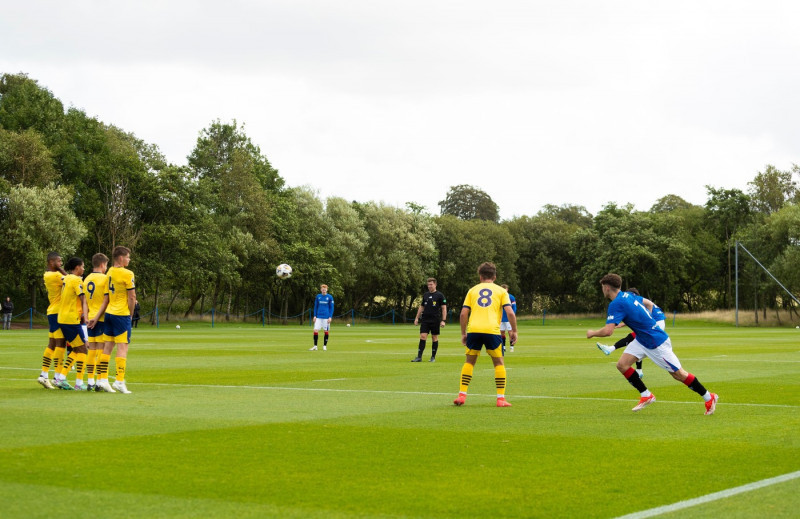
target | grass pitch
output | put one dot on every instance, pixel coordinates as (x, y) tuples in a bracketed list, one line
[(243, 421)]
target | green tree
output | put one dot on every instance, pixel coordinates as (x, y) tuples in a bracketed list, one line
[(398, 256), (469, 203), (546, 266), (463, 245), (26, 105), (25, 159), (771, 189), (40, 220)]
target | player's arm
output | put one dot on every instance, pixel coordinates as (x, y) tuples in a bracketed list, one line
[(605, 331), (102, 310), (419, 313), (444, 314), (131, 300), (84, 307), (648, 304), (464, 319), (331, 317)]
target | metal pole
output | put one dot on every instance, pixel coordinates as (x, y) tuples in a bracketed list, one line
[(736, 263)]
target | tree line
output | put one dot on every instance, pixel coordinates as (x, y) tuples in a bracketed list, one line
[(209, 234)]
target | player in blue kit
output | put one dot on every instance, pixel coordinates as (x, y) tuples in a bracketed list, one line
[(505, 326), (651, 341), (660, 319), (323, 314)]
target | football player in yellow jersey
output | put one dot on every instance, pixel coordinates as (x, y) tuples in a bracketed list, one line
[(121, 300), (55, 344), (71, 317), (480, 327), (96, 285)]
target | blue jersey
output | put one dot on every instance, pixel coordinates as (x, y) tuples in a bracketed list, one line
[(658, 314), (323, 306), (513, 307), (629, 308)]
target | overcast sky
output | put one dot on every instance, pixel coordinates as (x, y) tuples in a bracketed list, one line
[(578, 102)]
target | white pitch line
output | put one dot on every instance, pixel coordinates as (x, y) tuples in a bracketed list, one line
[(680, 505), (390, 392), (329, 379)]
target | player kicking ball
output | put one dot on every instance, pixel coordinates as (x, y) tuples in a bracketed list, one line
[(651, 342)]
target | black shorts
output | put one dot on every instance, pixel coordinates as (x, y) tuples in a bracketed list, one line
[(431, 327)]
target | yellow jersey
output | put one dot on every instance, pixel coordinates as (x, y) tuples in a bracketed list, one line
[(53, 283), (120, 281), (96, 285), (71, 308), (485, 302)]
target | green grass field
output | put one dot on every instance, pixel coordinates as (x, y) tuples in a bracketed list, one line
[(243, 421)]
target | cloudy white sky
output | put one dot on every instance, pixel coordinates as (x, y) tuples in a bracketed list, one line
[(536, 102)]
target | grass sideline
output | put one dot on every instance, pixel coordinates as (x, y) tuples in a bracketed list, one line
[(243, 420)]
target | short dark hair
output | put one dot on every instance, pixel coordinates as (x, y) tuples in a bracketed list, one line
[(504, 287), (119, 251), (487, 270), (72, 263), (431, 280), (633, 291), (612, 280), (52, 256), (98, 259)]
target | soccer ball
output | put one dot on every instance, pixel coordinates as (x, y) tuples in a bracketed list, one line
[(178, 326), (283, 271)]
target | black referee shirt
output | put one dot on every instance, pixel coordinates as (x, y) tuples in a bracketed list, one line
[(432, 306)]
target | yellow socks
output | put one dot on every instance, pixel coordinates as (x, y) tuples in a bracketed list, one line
[(500, 380), (102, 366), (80, 367), (58, 358), (47, 360), (91, 362), (68, 364), (120, 363), (466, 376)]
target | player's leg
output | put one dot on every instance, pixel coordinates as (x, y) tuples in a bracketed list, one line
[(121, 366), (466, 374), (102, 366), (664, 356), (317, 326), (434, 343), (423, 337), (496, 354), (47, 360), (625, 364), (326, 325), (112, 328), (121, 360), (73, 334)]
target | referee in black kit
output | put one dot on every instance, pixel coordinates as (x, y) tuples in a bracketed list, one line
[(433, 313)]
